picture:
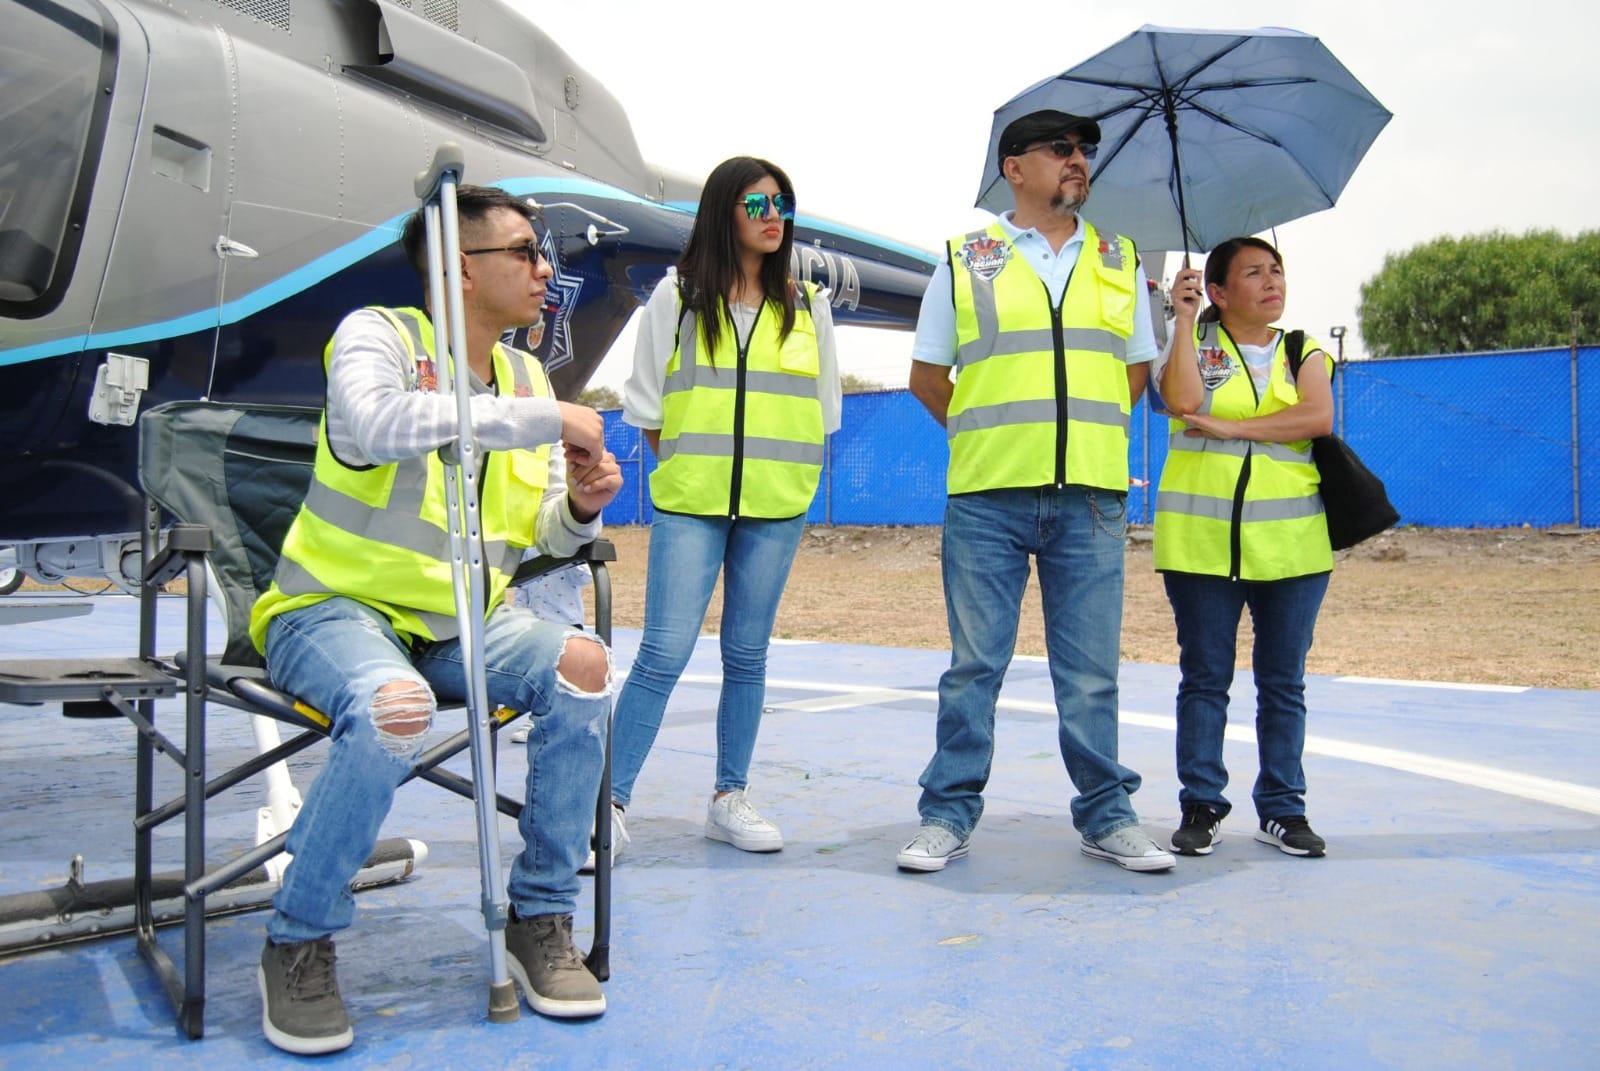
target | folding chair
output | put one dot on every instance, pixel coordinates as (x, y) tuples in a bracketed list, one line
[(232, 478)]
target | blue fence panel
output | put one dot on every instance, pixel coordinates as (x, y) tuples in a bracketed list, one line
[(1473, 440), (1465, 441), (889, 458), (632, 504), (1147, 451)]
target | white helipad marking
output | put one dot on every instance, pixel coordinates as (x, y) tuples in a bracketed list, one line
[(1475, 775), (712, 637), (1513, 689), (843, 700)]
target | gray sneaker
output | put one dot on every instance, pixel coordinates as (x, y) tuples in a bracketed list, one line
[(1130, 848), (931, 849), (301, 1010), (542, 959)]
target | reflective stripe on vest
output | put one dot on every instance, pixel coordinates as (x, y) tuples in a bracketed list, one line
[(381, 534), (1234, 507), (742, 437), (1041, 395)]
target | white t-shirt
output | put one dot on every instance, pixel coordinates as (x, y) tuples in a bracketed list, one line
[(658, 330), (1258, 359)]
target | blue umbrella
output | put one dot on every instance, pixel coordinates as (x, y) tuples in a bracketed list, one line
[(1206, 134)]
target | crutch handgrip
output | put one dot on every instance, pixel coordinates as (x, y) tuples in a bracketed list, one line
[(446, 158)]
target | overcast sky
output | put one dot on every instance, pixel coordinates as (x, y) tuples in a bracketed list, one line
[(880, 112)]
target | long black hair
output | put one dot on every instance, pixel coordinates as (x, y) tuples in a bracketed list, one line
[(709, 267), (1220, 260)]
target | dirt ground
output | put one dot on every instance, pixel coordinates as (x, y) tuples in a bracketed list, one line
[(1482, 606), (1487, 606)]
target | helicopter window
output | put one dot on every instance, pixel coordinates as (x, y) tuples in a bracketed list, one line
[(56, 62)]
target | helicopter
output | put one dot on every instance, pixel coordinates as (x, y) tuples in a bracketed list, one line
[(192, 196)]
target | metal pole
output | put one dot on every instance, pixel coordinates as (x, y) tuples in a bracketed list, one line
[(1338, 332), (1577, 459), (437, 188), (1148, 482), (1342, 380)]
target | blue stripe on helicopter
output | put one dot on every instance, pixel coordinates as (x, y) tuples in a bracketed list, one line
[(331, 263)]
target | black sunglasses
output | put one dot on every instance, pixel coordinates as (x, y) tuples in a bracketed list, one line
[(528, 251), (1062, 148)]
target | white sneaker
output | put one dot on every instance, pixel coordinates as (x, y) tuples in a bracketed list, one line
[(732, 820), (931, 849), (619, 837), (1130, 848)]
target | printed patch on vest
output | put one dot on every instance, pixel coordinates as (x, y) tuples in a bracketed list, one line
[(1215, 367), (427, 376), (1111, 254), (985, 257)]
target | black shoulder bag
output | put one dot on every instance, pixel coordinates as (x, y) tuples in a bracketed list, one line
[(1356, 504)]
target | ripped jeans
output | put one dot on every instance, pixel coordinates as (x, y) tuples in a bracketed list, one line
[(336, 655), (1076, 536)]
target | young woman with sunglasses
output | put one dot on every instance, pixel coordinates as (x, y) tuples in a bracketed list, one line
[(1239, 523), (735, 385)]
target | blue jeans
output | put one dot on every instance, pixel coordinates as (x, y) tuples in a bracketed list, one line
[(1283, 613), (336, 655), (686, 554), (1076, 535)]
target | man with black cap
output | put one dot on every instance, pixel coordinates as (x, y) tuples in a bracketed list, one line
[(1046, 322)]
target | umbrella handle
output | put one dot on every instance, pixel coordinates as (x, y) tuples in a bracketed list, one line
[(1169, 109)]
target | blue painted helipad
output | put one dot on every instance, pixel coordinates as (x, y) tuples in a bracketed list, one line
[(1455, 922)]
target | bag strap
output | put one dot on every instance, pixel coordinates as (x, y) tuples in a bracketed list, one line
[(1294, 344), (683, 312)]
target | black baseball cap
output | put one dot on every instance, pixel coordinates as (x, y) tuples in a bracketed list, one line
[(1043, 126)]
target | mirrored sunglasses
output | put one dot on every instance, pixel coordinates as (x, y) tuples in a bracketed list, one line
[(756, 205)]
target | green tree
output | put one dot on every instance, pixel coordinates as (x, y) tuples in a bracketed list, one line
[(1483, 292), (850, 383), (601, 398)]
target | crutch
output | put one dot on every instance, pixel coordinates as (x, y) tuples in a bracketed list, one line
[(436, 189)]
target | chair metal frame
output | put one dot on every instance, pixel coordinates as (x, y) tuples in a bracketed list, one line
[(131, 687)]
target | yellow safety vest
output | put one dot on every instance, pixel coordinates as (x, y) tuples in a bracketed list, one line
[(1041, 394), (741, 429), (381, 534), (1232, 507)]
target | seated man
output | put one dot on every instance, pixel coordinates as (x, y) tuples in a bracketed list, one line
[(360, 619)]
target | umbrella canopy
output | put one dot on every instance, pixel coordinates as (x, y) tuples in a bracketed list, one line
[(1206, 134)]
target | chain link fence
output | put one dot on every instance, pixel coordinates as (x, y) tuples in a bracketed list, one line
[(1484, 440)]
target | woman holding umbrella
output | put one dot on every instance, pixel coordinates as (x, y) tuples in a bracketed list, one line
[(735, 385), (1239, 523)]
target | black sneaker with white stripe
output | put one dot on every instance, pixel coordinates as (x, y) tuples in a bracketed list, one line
[(1291, 835), (1197, 833)]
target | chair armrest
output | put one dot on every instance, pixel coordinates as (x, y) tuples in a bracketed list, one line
[(600, 550), (182, 539)]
